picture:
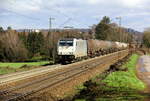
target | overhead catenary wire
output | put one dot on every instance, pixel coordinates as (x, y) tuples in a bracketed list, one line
[(20, 14), (69, 18), (33, 18)]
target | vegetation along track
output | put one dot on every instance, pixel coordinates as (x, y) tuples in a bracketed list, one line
[(21, 92)]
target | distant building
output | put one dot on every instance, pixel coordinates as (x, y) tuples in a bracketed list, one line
[(36, 30), (29, 30)]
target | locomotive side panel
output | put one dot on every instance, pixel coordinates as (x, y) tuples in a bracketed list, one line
[(80, 48)]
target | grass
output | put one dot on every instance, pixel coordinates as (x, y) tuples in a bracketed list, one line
[(18, 65), (37, 59), (126, 79), (14, 67), (124, 85), (81, 100), (117, 86)]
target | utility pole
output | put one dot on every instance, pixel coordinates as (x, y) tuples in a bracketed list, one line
[(120, 19), (50, 23), (53, 40)]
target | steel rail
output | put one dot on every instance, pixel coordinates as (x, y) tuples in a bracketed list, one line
[(4, 79)]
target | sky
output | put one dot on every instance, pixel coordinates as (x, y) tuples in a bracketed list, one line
[(35, 14)]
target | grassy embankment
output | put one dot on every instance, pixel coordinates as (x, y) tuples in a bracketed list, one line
[(117, 86), (7, 67), (14, 67)]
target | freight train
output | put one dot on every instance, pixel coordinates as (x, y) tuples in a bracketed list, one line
[(71, 49)]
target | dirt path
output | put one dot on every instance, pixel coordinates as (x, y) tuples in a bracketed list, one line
[(143, 72)]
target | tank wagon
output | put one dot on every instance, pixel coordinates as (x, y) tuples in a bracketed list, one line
[(76, 49)]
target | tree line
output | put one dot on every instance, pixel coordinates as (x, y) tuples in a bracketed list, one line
[(23, 46), (106, 30)]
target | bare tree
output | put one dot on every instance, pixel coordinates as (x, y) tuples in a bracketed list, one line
[(12, 47)]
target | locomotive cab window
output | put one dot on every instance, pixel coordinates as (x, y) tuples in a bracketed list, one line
[(66, 43), (62, 43), (69, 43)]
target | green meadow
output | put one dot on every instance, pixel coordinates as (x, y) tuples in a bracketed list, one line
[(14, 67)]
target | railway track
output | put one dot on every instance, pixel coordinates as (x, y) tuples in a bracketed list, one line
[(5, 79), (24, 90)]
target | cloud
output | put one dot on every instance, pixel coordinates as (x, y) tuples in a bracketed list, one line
[(21, 5), (131, 3), (4, 14), (137, 14), (82, 12), (142, 4), (94, 1)]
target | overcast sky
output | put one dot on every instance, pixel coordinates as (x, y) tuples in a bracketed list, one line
[(76, 13)]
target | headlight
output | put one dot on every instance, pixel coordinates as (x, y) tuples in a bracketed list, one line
[(71, 53), (60, 53)]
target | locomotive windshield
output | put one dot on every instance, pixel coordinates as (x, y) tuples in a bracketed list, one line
[(66, 43)]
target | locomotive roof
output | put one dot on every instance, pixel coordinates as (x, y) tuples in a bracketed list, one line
[(68, 39)]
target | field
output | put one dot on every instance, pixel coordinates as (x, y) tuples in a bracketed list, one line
[(14, 67), (117, 86)]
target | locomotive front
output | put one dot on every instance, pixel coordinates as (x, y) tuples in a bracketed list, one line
[(65, 49)]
